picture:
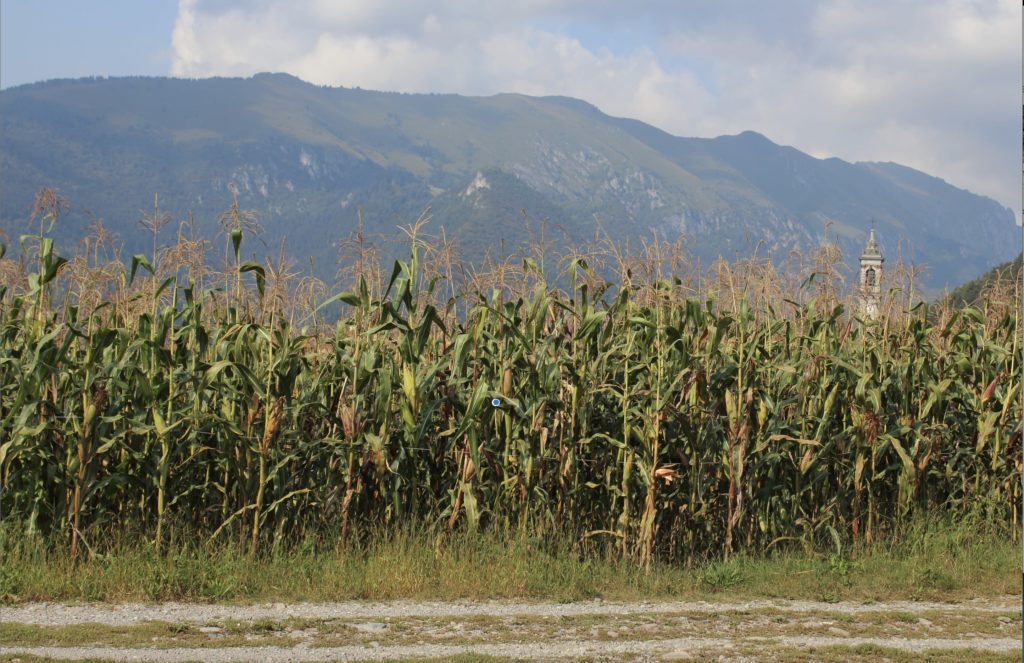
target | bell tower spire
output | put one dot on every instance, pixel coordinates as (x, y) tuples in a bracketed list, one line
[(871, 262)]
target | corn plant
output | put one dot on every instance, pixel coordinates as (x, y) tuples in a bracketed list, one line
[(642, 418)]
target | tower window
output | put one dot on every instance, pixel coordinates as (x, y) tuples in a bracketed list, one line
[(869, 277)]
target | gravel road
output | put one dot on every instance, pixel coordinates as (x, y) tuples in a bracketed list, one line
[(124, 614), (728, 631), (671, 649)]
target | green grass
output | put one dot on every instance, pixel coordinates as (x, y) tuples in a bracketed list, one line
[(936, 562), (148, 634), (460, 658), (876, 654)]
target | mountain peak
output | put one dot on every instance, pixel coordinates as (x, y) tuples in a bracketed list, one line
[(277, 76), (750, 137), (307, 157), (574, 104)]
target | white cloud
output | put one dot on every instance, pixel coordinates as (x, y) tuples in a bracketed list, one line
[(931, 84)]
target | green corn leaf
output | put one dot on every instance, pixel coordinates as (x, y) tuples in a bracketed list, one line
[(259, 272), (139, 260)]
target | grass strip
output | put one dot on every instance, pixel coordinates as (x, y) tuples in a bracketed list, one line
[(937, 563)]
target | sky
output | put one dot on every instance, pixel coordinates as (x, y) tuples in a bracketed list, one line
[(932, 84)]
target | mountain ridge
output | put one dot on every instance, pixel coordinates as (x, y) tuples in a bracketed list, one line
[(308, 156)]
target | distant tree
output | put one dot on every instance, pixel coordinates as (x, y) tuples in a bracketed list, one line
[(971, 292)]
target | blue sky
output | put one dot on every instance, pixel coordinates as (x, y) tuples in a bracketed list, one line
[(42, 39), (933, 84)]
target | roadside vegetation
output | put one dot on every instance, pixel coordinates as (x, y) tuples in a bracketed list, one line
[(935, 561), (172, 431)]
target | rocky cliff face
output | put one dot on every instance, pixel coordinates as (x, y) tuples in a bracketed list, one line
[(308, 157)]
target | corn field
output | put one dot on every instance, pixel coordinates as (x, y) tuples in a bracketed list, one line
[(649, 419)]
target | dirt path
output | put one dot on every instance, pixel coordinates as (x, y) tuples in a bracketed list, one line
[(736, 631), (123, 614)]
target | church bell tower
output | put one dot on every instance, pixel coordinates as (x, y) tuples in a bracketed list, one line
[(871, 277)]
